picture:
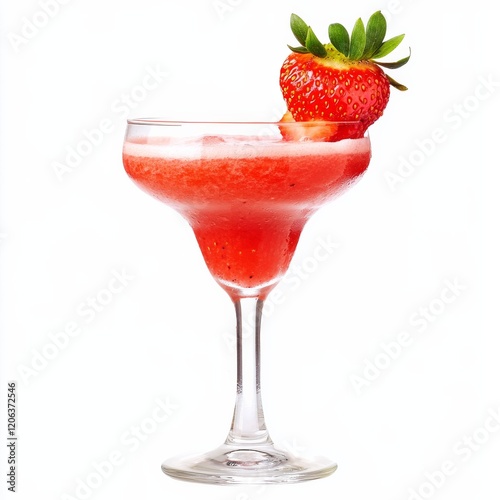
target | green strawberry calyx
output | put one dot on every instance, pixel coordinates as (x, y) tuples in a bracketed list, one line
[(364, 43)]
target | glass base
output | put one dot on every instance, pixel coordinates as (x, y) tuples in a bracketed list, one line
[(230, 464)]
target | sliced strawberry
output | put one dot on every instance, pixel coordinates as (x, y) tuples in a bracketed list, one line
[(317, 130), (306, 131)]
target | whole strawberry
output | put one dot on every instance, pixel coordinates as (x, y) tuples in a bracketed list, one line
[(342, 80)]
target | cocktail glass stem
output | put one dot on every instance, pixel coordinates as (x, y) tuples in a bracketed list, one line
[(248, 427), (248, 455)]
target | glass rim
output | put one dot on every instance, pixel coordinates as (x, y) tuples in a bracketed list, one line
[(177, 123)]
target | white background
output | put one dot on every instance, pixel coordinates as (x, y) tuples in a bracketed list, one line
[(167, 333)]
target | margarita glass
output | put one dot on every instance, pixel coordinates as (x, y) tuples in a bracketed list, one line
[(247, 194)]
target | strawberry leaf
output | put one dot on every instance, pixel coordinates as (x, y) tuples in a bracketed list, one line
[(313, 45), (396, 84), (298, 50), (376, 29), (339, 37), (299, 28), (358, 41), (388, 46), (394, 65)]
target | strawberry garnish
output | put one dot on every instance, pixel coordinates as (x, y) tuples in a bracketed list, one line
[(342, 80)]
